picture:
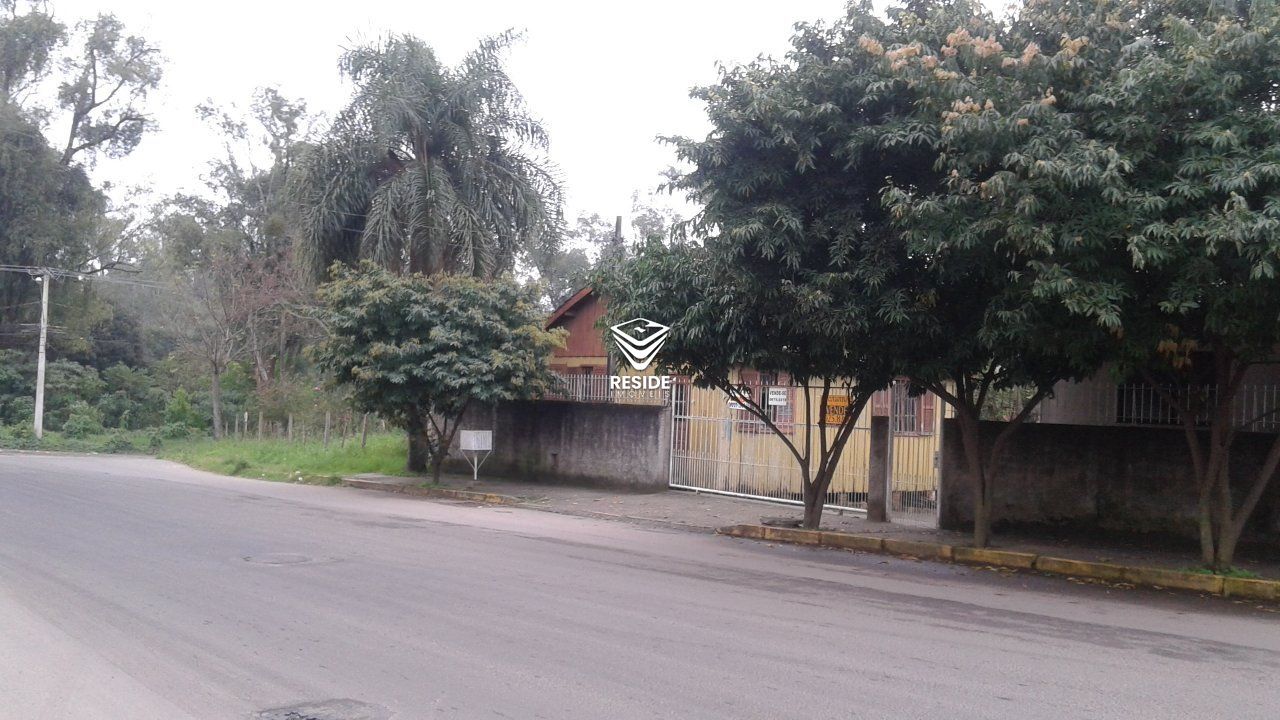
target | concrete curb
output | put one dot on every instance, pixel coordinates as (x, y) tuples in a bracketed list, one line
[(420, 491), (1151, 577)]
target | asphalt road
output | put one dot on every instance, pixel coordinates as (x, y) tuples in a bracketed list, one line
[(134, 588)]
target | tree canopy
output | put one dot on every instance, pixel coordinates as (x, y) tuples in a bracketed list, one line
[(419, 350), (795, 268), (430, 168)]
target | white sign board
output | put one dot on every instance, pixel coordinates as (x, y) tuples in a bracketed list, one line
[(778, 396), (734, 405), (476, 440)]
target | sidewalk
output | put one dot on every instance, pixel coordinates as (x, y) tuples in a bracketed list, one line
[(704, 512)]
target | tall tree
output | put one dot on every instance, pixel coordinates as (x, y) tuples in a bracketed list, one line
[(795, 268), (29, 40), (104, 88), (1193, 113), (986, 237), (430, 168), (260, 150), (50, 214)]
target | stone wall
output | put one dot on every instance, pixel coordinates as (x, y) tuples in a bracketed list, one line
[(602, 444), (1124, 479)]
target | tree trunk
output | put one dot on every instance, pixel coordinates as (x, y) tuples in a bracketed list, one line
[(971, 440), (215, 399), (437, 463), (813, 504), (419, 446), (1208, 552)]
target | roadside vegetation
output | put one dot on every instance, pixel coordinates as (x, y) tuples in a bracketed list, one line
[(293, 461)]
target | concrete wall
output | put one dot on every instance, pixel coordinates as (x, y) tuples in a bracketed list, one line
[(1125, 479), (614, 445)]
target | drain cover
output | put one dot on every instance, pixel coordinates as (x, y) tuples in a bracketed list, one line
[(277, 559), (326, 710)]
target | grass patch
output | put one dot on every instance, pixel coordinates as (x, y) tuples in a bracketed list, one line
[(1233, 572), (284, 461)]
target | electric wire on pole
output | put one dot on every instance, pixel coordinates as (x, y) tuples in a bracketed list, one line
[(45, 276)]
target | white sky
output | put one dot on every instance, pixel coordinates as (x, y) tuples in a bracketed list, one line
[(605, 77)]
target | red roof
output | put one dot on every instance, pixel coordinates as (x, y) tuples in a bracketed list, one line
[(567, 305)]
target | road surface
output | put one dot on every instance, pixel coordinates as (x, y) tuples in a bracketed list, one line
[(135, 588)]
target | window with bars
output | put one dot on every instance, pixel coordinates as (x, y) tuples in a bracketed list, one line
[(911, 415), (757, 385)]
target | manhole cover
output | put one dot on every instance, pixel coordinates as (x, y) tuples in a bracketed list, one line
[(278, 559), (326, 710)]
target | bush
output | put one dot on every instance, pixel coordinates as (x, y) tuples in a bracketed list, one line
[(180, 412), (176, 431), (82, 421), (118, 443), (19, 411), (18, 437)]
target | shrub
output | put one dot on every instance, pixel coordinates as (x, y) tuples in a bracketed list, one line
[(118, 443), (176, 431), (179, 411), (82, 421), (18, 437)]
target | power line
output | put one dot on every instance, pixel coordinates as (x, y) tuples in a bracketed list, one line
[(61, 274)]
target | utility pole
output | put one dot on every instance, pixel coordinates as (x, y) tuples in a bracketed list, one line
[(45, 280)]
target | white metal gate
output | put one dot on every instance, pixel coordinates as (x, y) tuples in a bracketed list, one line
[(719, 447)]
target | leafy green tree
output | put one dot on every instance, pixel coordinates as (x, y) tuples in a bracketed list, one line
[(28, 48), (105, 86), (430, 168), (795, 268), (1193, 115), (1117, 161), (988, 231), (419, 350), (48, 213)]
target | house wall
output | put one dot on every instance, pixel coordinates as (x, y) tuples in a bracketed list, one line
[(1094, 401), (1126, 479), (610, 445), (584, 346)]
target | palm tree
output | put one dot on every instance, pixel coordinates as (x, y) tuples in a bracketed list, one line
[(429, 168)]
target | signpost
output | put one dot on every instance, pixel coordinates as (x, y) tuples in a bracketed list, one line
[(474, 442)]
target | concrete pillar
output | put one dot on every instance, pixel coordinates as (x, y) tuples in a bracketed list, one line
[(879, 474)]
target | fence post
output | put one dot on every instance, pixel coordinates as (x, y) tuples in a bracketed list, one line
[(364, 430), (326, 428), (290, 432), (879, 470), (259, 424)]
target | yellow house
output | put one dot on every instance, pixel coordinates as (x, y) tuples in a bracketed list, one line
[(719, 446)]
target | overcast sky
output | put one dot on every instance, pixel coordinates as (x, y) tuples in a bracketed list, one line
[(605, 77)]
